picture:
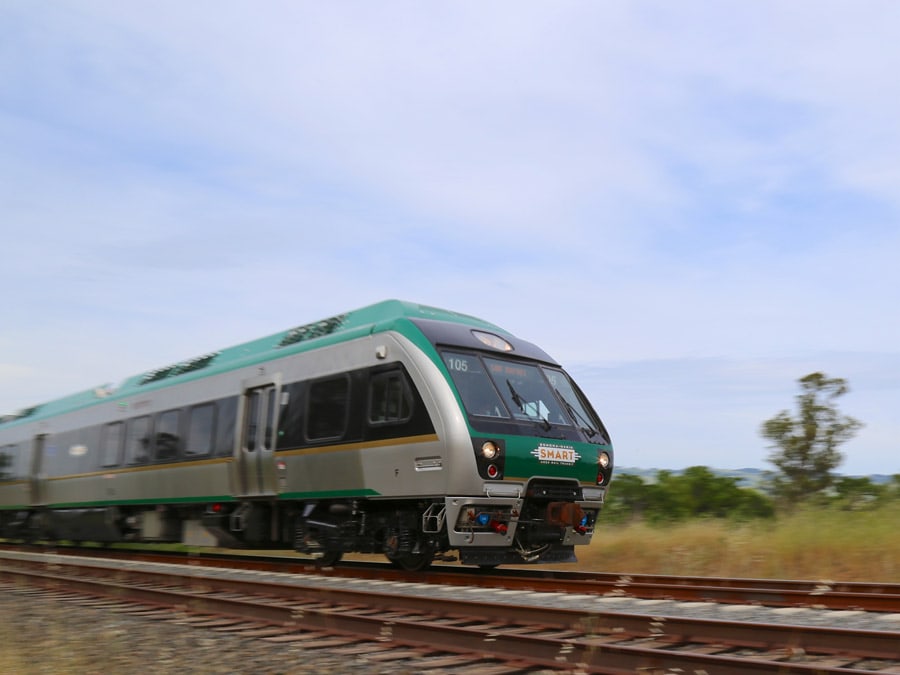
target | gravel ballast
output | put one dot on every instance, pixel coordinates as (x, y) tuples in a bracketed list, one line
[(60, 637)]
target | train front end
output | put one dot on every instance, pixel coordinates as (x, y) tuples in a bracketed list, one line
[(542, 458)]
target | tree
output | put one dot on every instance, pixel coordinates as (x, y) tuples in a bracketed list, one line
[(696, 493), (627, 498), (806, 446)]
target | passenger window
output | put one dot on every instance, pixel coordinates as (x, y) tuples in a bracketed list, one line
[(168, 441), (7, 462), (390, 400), (225, 423), (328, 407), (200, 431), (111, 444), (137, 440), (290, 418)]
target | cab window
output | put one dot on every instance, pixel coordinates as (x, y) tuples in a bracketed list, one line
[(474, 386)]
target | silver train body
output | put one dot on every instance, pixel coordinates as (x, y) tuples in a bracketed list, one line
[(359, 433)]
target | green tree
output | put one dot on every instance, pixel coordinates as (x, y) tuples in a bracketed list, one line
[(696, 493), (806, 446), (628, 498)]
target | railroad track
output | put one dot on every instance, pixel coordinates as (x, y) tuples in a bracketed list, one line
[(873, 597), (496, 629)]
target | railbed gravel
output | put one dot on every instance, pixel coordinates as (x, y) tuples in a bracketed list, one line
[(43, 636)]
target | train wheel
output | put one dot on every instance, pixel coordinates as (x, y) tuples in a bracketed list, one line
[(412, 562), (329, 558)]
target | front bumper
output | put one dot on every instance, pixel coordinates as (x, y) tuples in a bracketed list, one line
[(521, 516)]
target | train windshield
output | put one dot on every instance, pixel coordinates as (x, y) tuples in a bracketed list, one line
[(492, 387)]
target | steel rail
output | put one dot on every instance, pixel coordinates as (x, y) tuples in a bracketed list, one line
[(868, 596), (586, 635)]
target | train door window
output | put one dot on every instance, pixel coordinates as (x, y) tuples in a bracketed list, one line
[(226, 419), (390, 399), (168, 439), (271, 417), (327, 408), (200, 430), (111, 444), (38, 454), (137, 440), (260, 414), (251, 418)]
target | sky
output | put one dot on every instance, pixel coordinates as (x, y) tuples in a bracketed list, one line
[(689, 205)]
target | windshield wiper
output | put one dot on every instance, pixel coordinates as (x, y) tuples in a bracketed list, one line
[(519, 401), (577, 416)]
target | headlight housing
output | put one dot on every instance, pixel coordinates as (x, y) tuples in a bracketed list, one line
[(489, 457), (490, 450)]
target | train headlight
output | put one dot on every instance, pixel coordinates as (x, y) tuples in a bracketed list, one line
[(490, 456), (490, 450), (603, 460), (493, 341)]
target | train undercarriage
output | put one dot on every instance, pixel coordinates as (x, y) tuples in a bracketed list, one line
[(541, 526)]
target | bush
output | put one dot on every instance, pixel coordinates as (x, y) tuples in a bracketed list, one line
[(697, 492)]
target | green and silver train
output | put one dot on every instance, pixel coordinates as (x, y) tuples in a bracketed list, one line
[(398, 429)]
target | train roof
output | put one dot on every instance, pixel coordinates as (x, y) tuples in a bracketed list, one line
[(383, 316)]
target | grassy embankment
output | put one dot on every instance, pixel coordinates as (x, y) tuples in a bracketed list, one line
[(813, 544)]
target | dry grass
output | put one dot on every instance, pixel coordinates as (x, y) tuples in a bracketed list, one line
[(812, 544)]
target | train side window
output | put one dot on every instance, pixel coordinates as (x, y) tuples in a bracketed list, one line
[(200, 430), (168, 439), (328, 406), (226, 419), (63, 453), (390, 399), (22, 466), (137, 440), (8, 462), (290, 417), (111, 444)]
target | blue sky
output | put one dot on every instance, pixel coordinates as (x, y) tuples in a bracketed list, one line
[(690, 205)]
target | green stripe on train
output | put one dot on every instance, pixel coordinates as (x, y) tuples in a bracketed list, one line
[(322, 494)]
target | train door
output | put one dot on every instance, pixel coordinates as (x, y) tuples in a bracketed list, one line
[(258, 419), (38, 478)]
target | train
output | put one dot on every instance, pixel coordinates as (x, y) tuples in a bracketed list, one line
[(398, 429)]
